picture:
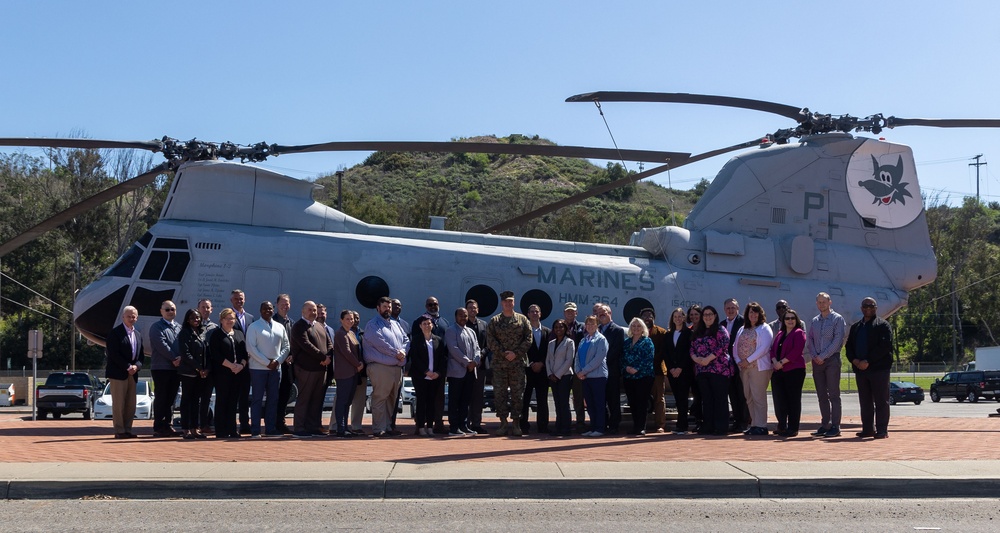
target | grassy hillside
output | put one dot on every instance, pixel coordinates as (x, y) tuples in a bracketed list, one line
[(476, 191)]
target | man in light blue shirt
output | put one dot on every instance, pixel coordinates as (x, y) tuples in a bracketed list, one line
[(385, 347), (825, 338)]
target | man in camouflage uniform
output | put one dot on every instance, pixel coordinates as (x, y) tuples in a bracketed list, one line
[(508, 336)]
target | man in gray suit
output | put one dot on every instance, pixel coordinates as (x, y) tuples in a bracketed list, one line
[(463, 362), (163, 368)]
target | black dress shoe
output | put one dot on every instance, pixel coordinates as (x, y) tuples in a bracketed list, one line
[(865, 434), (130, 435), (882, 435), (380, 435)]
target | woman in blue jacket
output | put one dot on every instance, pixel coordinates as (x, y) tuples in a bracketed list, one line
[(592, 362)]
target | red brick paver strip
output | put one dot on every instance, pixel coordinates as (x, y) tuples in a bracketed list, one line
[(910, 438)]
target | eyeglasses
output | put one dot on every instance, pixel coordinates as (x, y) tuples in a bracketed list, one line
[(708, 313), (791, 318), (868, 306), (170, 309)]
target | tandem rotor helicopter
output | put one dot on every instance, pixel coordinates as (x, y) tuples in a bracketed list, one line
[(783, 219)]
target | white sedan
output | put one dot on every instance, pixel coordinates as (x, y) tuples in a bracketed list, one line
[(143, 402)]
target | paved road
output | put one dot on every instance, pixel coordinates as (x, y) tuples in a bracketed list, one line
[(694, 516)]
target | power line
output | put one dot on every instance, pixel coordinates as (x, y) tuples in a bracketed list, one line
[(43, 313), (36, 293)]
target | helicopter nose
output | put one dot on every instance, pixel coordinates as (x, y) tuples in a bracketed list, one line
[(95, 319)]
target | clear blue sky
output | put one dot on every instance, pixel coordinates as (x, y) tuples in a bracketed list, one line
[(311, 71)]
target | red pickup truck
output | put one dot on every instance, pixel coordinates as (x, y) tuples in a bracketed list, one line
[(68, 392)]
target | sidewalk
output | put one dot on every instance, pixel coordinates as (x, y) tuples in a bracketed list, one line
[(924, 457)]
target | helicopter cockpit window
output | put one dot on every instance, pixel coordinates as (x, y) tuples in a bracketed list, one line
[(166, 264), (126, 264), (173, 244), (154, 265)]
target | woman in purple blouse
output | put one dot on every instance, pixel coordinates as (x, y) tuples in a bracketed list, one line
[(789, 373), (709, 344)]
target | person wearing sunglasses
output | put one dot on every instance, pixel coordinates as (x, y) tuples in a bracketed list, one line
[(869, 349), (789, 373)]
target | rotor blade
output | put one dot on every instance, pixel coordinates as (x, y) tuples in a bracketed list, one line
[(68, 214), (548, 208), (486, 148), (49, 142), (788, 111), (892, 122)]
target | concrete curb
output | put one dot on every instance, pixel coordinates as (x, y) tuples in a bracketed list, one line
[(535, 489), (555, 481)]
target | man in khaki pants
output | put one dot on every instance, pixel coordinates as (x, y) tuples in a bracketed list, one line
[(124, 350)]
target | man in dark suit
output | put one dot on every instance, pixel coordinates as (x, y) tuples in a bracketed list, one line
[(282, 304), (616, 346), (312, 350), (737, 401), (537, 379), (243, 321), (869, 349), (123, 347)]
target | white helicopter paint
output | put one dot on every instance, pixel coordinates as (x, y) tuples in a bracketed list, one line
[(783, 222)]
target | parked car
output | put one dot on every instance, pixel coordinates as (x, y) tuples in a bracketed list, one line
[(408, 394), (905, 391), (7, 394), (68, 392), (143, 402), (967, 386)]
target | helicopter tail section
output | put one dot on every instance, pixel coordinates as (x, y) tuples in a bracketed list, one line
[(833, 207)]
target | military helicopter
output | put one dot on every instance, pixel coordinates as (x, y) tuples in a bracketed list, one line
[(783, 219)]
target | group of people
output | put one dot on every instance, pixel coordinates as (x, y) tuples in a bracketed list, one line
[(721, 362), (732, 360)]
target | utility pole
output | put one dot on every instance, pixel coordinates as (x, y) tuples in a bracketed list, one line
[(72, 319), (340, 190), (977, 164)]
